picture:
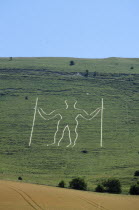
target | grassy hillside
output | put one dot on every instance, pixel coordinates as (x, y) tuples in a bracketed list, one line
[(109, 65), (53, 81)]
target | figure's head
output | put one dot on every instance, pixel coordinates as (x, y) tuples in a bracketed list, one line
[(70, 103)]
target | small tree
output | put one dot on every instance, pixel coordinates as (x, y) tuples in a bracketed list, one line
[(84, 151), (78, 184), (112, 186), (99, 188), (10, 59), (136, 173), (61, 184), (134, 189), (94, 74), (72, 63), (86, 73)]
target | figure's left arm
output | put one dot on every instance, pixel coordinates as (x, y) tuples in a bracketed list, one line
[(93, 114)]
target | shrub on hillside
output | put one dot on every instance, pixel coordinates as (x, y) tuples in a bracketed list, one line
[(95, 74), (10, 59), (110, 186), (99, 188), (136, 173), (78, 184), (84, 151), (134, 189), (86, 73), (72, 63), (61, 184)]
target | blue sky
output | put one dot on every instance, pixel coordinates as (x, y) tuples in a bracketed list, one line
[(75, 28)]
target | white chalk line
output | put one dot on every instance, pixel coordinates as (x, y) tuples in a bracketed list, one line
[(33, 121), (67, 126)]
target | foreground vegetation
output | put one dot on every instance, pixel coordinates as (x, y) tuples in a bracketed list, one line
[(54, 80)]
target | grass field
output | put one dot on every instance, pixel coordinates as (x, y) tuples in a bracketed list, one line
[(53, 81)]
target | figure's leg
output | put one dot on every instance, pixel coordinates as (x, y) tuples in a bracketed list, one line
[(55, 135), (76, 133), (69, 137), (72, 134), (62, 134)]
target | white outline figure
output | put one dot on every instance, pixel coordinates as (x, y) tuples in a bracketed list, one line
[(79, 112)]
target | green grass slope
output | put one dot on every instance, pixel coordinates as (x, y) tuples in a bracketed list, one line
[(53, 81)]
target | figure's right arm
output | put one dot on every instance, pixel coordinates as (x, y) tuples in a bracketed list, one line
[(49, 116)]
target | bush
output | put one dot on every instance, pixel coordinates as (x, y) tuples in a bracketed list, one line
[(72, 63), (61, 184), (136, 173), (84, 151), (112, 186), (134, 189), (78, 184), (10, 59), (95, 74), (86, 73), (100, 188)]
